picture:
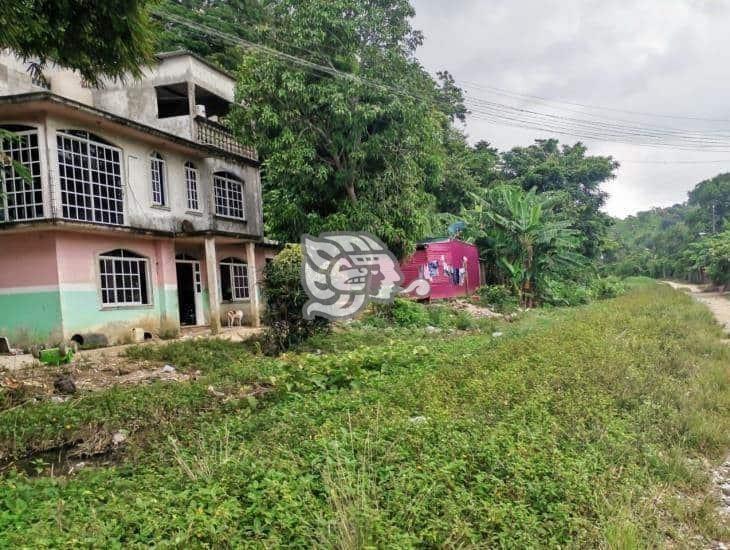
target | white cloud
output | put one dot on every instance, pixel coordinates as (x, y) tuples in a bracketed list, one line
[(655, 56)]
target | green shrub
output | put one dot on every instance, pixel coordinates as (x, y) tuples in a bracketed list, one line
[(607, 287), (497, 297), (284, 298), (565, 293), (402, 312), (441, 316), (409, 314), (464, 320)]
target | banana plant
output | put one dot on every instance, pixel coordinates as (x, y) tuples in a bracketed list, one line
[(530, 243)]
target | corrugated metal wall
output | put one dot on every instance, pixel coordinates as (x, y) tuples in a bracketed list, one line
[(447, 252)]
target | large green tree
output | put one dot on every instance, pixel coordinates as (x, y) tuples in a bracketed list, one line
[(251, 20), (111, 38), (484, 164), (364, 152), (549, 167)]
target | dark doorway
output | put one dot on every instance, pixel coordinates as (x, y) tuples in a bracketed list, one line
[(186, 293)]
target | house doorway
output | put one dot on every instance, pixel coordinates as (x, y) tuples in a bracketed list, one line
[(189, 291)]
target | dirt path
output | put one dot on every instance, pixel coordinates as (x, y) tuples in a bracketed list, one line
[(719, 304)]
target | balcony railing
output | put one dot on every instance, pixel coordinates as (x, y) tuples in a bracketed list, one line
[(217, 135)]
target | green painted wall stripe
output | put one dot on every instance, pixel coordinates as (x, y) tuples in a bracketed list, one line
[(81, 312), (36, 315)]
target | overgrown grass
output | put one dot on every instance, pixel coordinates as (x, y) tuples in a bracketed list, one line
[(578, 427)]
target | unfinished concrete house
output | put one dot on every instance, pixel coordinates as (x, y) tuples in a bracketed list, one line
[(141, 209)]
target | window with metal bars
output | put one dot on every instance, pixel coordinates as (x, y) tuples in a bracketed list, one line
[(123, 278), (158, 175), (228, 194), (234, 280), (191, 181), (90, 172), (21, 194)]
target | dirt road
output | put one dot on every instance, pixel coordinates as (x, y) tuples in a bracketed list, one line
[(717, 302)]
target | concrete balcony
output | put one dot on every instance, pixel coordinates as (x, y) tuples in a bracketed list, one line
[(216, 135)]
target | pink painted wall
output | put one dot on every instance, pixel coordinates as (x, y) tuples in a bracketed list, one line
[(239, 251), (77, 254), (451, 252), (28, 259)]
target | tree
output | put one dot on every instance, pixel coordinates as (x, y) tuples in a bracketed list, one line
[(455, 189), (528, 241), (712, 201), (484, 163), (247, 19), (678, 241), (360, 152), (547, 166), (99, 39)]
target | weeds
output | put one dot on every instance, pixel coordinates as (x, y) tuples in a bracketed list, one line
[(582, 427)]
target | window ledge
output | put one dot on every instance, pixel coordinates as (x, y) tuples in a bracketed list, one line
[(160, 207), (231, 218), (198, 213), (127, 307), (238, 301)]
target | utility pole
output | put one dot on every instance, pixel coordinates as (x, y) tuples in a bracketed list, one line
[(714, 219)]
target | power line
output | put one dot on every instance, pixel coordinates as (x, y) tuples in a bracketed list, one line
[(589, 134), (716, 161), (594, 107), (608, 129), (613, 122), (503, 114)]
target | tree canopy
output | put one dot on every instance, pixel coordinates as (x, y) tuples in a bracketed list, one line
[(683, 241), (549, 167), (378, 149), (101, 38), (366, 152), (248, 19)]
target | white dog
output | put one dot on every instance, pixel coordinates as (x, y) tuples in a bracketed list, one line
[(233, 316)]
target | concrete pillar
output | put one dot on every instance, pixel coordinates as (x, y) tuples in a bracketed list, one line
[(253, 284), (211, 270)]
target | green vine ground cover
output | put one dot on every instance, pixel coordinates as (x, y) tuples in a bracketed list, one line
[(583, 427)]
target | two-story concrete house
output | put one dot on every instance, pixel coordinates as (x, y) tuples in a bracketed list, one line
[(141, 209)]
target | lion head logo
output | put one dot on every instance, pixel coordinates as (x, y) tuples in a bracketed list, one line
[(343, 271)]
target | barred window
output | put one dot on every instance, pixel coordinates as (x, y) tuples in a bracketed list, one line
[(21, 194), (228, 192), (234, 279), (123, 278), (90, 171), (157, 175), (191, 182)]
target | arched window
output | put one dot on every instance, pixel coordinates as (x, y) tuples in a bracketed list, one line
[(191, 183), (234, 279), (123, 278), (157, 177), (21, 195), (228, 191), (90, 171)]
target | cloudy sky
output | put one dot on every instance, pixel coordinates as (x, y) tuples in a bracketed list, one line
[(634, 60)]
